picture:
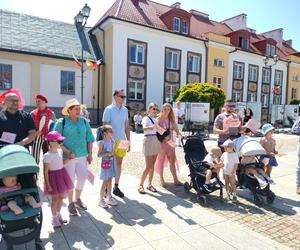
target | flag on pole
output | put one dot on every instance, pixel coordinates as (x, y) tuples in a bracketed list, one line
[(93, 64), (79, 64), (276, 90)]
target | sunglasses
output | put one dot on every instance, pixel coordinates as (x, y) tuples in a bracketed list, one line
[(231, 106), (122, 96), (154, 108)]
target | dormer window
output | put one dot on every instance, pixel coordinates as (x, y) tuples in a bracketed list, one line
[(244, 42), (270, 50), (184, 29), (176, 24)]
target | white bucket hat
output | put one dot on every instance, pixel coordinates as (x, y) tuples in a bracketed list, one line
[(228, 143), (70, 103)]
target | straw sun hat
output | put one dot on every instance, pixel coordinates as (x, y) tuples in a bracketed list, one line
[(70, 103)]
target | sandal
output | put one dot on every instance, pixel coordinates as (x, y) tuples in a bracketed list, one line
[(152, 189), (141, 190)]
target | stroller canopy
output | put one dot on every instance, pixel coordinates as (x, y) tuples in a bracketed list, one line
[(15, 160)]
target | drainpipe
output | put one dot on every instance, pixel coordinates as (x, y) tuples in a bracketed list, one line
[(206, 59), (287, 82), (101, 106)]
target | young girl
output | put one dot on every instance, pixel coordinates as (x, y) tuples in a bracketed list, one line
[(269, 145), (57, 180), (230, 160), (108, 167)]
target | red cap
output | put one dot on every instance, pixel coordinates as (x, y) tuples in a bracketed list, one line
[(42, 97)]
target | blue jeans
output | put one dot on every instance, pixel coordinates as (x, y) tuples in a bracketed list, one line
[(298, 168)]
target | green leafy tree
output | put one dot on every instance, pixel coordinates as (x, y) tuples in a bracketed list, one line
[(201, 92), (295, 102)]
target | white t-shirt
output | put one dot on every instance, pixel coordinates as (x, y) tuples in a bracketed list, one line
[(229, 159), (148, 123), (138, 119), (55, 160), (209, 159), (178, 113)]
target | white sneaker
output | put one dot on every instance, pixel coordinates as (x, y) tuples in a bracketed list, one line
[(112, 201), (102, 203), (262, 183)]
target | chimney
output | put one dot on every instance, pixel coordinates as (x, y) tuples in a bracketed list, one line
[(176, 5), (135, 2), (276, 35), (238, 22), (289, 42), (199, 13)]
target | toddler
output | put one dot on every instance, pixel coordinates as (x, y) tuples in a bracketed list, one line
[(57, 180), (108, 167), (230, 160)]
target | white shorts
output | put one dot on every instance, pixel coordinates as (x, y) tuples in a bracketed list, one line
[(78, 167)]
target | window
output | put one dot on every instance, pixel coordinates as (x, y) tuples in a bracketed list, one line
[(251, 97), (253, 71), (295, 78), (270, 50), (277, 99), (294, 93), (217, 81), (176, 24), (5, 76), (265, 100), (185, 28), (170, 92), (237, 96), (136, 53), (193, 63), (238, 70), (172, 60), (136, 90), (266, 75), (278, 77), (67, 82), (244, 42), (218, 62)]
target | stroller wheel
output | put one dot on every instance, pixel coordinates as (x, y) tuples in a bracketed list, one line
[(202, 200), (270, 198), (187, 187), (258, 200)]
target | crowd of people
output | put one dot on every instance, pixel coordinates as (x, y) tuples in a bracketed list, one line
[(67, 150)]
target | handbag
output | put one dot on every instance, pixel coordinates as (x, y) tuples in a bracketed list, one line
[(162, 137), (106, 164)]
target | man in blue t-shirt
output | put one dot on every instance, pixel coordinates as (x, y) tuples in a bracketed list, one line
[(116, 115)]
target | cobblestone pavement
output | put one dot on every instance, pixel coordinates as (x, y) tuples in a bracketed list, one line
[(274, 223)]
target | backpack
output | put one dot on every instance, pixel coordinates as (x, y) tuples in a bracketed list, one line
[(64, 123), (99, 134)]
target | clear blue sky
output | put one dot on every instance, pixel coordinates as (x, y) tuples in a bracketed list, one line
[(262, 15)]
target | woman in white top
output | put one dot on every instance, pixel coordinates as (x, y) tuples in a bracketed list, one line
[(151, 147)]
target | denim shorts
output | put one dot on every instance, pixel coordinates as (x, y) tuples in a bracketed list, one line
[(272, 162)]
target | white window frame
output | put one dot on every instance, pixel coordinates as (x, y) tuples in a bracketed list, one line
[(295, 78), (294, 93), (270, 50), (218, 62), (172, 60), (276, 99), (253, 73), (278, 77), (238, 70), (137, 47), (184, 28), (67, 91), (176, 25), (170, 97), (266, 77), (135, 90), (253, 97), (237, 96), (265, 100), (218, 81), (195, 58), (6, 83), (244, 41)]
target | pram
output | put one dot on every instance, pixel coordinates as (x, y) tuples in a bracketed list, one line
[(246, 146), (16, 161), (195, 152)]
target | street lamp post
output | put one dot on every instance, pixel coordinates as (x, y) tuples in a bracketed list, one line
[(80, 21), (269, 62)]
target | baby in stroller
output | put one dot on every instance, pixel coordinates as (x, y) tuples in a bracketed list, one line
[(250, 173)]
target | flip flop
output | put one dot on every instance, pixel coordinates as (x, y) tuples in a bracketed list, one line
[(152, 189), (141, 190)]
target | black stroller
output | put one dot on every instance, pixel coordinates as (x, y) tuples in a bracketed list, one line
[(195, 152), (251, 147), (16, 161)]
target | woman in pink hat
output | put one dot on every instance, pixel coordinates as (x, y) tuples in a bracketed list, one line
[(42, 116)]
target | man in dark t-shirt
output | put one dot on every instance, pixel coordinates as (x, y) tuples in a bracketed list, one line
[(16, 126)]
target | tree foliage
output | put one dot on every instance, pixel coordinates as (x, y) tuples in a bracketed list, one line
[(201, 92), (295, 102)]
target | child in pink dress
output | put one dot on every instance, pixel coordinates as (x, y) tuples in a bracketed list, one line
[(57, 180)]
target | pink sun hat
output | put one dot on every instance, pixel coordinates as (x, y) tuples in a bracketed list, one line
[(54, 136)]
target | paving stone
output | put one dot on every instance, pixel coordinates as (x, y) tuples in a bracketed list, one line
[(171, 243)]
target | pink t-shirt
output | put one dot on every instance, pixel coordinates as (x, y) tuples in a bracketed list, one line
[(55, 160)]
